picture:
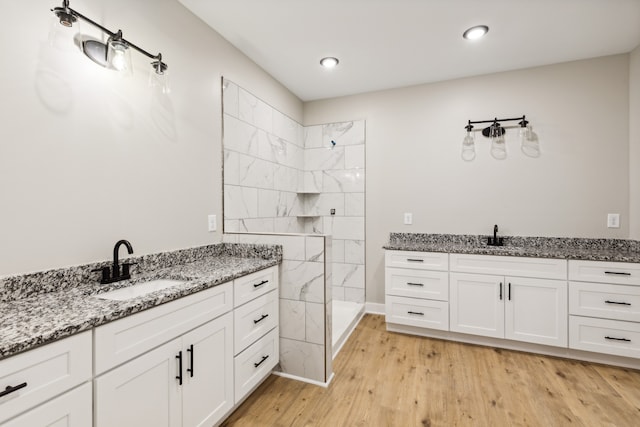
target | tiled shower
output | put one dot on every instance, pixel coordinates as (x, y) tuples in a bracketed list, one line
[(284, 182)]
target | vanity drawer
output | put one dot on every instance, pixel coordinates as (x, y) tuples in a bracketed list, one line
[(74, 407), (254, 319), (417, 260), (253, 364), (417, 312), (604, 336), (624, 273), (544, 268), (124, 339), (417, 283), (46, 371), (253, 285), (618, 302)]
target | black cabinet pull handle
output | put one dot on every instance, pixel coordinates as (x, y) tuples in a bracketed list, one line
[(414, 260), (257, 285), (190, 368), (619, 273), (255, 365), (414, 284), (264, 316), (509, 291), (179, 376), (416, 312), (616, 302), (11, 389), (500, 287), (617, 339)]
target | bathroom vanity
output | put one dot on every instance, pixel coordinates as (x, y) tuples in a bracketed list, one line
[(576, 298), (185, 355)]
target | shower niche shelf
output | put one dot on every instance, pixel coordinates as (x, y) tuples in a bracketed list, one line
[(305, 195)]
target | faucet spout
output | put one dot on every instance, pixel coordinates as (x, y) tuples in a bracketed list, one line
[(116, 249), (495, 241)]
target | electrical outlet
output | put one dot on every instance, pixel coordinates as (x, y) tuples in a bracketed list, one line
[(213, 222), (408, 218), (613, 220)]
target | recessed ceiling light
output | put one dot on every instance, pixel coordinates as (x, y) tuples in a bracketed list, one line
[(329, 62), (476, 32)]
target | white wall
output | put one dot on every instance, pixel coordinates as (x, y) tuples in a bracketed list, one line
[(634, 143), (580, 111), (87, 157)]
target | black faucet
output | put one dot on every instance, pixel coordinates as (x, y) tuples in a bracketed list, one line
[(495, 241), (115, 275)]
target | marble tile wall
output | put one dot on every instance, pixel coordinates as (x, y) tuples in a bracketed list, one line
[(281, 177), (334, 159), (305, 302), (263, 165)]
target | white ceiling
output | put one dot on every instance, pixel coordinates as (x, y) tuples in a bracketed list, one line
[(385, 44)]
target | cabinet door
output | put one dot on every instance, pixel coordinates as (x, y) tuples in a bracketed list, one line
[(536, 311), (476, 304), (72, 409), (143, 392), (207, 394)]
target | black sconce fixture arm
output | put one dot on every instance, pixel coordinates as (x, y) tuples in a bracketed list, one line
[(68, 15), (495, 127)]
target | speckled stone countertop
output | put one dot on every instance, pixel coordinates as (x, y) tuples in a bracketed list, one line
[(617, 250), (43, 307)]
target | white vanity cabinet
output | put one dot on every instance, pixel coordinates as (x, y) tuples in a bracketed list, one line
[(186, 381), (29, 379), (604, 307), (256, 337), (417, 289), (72, 409), (517, 298)]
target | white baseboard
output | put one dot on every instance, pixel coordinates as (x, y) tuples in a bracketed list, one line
[(303, 379), (374, 308)]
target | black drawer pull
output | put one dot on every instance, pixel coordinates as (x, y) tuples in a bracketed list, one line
[(264, 316), (179, 376), (509, 291), (11, 389), (414, 260), (255, 365), (416, 312), (257, 285), (617, 339), (500, 287), (616, 302), (619, 273), (414, 284), (190, 369)]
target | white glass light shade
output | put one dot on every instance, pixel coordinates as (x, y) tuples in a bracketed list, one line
[(529, 142), (159, 82), (119, 56), (498, 147), (64, 38), (468, 148)]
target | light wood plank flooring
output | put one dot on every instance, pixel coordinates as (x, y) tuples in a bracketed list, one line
[(390, 379)]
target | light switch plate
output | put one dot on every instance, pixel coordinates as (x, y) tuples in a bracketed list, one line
[(613, 220), (213, 222)]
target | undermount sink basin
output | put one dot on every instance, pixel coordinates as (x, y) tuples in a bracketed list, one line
[(139, 289)]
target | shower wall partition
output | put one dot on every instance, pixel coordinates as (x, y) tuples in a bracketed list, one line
[(302, 187)]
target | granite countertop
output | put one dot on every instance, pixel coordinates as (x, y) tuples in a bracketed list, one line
[(34, 319), (616, 250)]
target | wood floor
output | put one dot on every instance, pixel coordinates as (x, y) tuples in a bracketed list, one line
[(388, 379)]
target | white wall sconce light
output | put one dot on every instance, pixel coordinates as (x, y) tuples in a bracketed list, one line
[(528, 139), (115, 53)]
